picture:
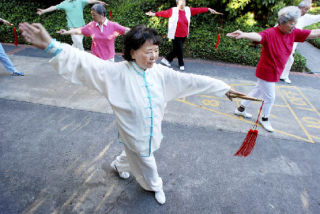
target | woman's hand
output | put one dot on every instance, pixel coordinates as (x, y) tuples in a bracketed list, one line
[(35, 34), (62, 31), (214, 12), (40, 11), (150, 13), (232, 93), (103, 3), (5, 21), (238, 34)]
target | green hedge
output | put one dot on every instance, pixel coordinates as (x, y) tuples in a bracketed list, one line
[(200, 44)]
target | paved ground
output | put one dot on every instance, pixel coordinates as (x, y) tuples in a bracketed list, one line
[(311, 53), (57, 140)]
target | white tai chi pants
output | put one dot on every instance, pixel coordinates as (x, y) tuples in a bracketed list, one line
[(77, 41), (144, 169), (287, 68), (266, 91)]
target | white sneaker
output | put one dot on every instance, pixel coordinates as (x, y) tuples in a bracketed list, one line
[(181, 68), (287, 80), (165, 62), (124, 175), (244, 113), (266, 125), (160, 197)]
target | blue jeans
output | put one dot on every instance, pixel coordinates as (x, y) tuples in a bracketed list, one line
[(6, 62)]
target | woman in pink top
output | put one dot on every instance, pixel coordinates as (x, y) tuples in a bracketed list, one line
[(102, 32), (178, 28), (277, 43)]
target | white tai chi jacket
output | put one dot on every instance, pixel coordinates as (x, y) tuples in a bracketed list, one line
[(138, 98)]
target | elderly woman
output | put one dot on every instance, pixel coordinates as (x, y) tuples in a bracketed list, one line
[(138, 90), (102, 32), (277, 43), (304, 21), (178, 28), (6, 62), (74, 12)]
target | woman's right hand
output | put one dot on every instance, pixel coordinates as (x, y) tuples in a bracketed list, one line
[(39, 11), (62, 31), (150, 13), (35, 34), (238, 34)]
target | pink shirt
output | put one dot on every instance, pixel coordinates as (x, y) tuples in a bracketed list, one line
[(182, 25), (103, 41), (276, 49)]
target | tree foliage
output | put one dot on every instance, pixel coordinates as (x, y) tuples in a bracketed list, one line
[(247, 15)]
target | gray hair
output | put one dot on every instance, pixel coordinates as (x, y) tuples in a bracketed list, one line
[(99, 8), (178, 0), (288, 14), (304, 3)]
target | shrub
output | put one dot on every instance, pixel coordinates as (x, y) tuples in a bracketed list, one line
[(203, 29)]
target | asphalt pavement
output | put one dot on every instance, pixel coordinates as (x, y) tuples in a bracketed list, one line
[(57, 141)]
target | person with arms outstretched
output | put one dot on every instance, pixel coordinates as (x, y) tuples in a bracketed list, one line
[(138, 91), (74, 13), (304, 21), (178, 28), (277, 43), (102, 31)]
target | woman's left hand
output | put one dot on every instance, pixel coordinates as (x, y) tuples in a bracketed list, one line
[(214, 12)]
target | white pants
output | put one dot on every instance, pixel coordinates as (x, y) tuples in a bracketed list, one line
[(144, 169), (77, 41), (287, 68), (266, 91)]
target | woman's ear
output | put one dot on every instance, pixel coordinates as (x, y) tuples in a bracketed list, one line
[(133, 53)]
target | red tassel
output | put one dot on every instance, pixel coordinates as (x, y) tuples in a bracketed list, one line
[(248, 143), (218, 40), (15, 36), (250, 140), (110, 14)]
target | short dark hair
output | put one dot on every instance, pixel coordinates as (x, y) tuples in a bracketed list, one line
[(136, 37)]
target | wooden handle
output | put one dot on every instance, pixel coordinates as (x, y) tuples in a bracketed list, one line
[(245, 97)]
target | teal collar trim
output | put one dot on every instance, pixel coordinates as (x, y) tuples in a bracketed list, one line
[(139, 70)]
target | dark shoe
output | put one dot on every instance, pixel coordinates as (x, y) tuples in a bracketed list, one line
[(17, 73)]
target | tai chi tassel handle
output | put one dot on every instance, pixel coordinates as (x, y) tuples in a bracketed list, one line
[(245, 97)]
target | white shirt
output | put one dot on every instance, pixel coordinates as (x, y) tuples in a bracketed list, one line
[(138, 98), (101, 26), (304, 21)]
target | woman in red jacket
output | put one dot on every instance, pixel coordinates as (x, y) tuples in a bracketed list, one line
[(178, 28)]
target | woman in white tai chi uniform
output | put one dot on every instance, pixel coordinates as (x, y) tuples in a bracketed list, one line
[(138, 90), (277, 43)]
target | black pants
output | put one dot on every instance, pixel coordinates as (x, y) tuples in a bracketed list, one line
[(177, 50)]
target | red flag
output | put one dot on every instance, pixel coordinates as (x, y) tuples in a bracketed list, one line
[(15, 35), (110, 14), (218, 40)]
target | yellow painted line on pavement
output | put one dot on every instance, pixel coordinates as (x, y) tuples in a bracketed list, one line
[(295, 116), (310, 104), (102, 201)]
